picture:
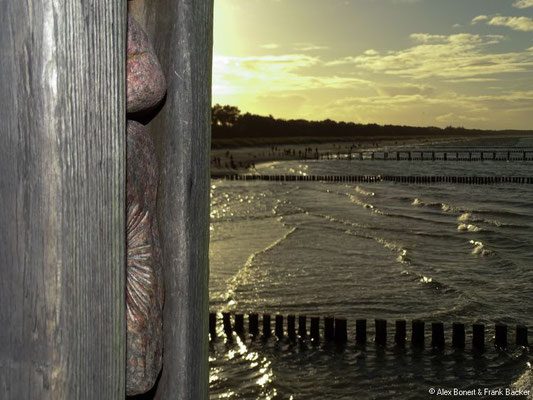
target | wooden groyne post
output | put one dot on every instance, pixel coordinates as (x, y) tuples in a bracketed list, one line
[(336, 330), (458, 335), (417, 334), (400, 334), (329, 328), (478, 337), (360, 331), (381, 332), (279, 326)]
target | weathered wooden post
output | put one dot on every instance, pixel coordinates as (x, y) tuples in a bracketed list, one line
[(381, 332), (329, 328), (266, 326), (226, 323), (62, 196), (500, 338), (253, 324), (458, 335), (181, 34), (213, 326), (302, 328), (521, 335), (478, 337), (400, 334), (315, 329), (341, 335), (291, 327), (360, 331), (437, 335), (279, 326), (417, 334), (239, 324)]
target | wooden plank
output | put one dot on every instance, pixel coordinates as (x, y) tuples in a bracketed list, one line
[(62, 157), (181, 32)]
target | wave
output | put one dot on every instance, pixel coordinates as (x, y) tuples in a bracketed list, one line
[(479, 248), (443, 206), (241, 275), (359, 202), (418, 202), (395, 247), (364, 192), (470, 217), (429, 282), (525, 382), (341, 221), (469, 228)]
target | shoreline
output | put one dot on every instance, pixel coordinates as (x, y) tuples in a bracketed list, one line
[(237, 160)]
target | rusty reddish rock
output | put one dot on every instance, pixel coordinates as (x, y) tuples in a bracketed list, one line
[(144, 284), (146, 85)]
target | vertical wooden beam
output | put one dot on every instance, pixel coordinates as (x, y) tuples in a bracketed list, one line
[(458, 335), (181, 32), (62, 196)]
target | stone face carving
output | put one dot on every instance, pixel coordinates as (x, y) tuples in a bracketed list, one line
[(144, 283), (146, 85)]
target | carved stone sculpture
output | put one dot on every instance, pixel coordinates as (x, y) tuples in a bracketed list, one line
[(144, 285), (146, 85)]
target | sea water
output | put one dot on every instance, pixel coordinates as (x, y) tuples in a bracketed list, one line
[(442, 252)]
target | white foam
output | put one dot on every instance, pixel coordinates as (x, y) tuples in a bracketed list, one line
[(364, 192), (525, 382), (465, 217), (468, 227), (479, 248)]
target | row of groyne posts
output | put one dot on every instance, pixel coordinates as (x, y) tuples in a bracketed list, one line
[(453, 154), (335, 330), (467, 180)]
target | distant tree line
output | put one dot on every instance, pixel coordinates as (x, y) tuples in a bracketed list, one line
[(229, 123)]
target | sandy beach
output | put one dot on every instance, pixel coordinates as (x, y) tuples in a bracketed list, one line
[(243, 160)]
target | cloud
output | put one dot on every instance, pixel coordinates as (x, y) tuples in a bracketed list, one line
[(267, 74), (454, 118), (515, 23), (308, 47), (405, 89), (270, 46), (458, 56), (523, 3), (480, 18), (492, 112), (371, 52), (427, 38)]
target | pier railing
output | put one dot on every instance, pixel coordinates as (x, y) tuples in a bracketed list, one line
[(452, 154), (335, 330)]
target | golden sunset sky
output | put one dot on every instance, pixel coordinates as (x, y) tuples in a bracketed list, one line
[(408, 62)]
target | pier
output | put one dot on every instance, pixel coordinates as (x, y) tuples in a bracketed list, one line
[(433, 154)]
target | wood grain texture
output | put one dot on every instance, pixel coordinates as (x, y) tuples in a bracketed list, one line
[(62, 196), (181, 33)]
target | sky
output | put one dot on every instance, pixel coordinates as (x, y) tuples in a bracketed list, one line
[(406, 62)]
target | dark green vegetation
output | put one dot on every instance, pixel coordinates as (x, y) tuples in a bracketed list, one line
[(231, 128)]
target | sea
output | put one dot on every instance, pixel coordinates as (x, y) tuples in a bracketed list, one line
[(439, 253)]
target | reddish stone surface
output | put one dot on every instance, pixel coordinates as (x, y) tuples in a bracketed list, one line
[(146, 85), (144, 284)]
